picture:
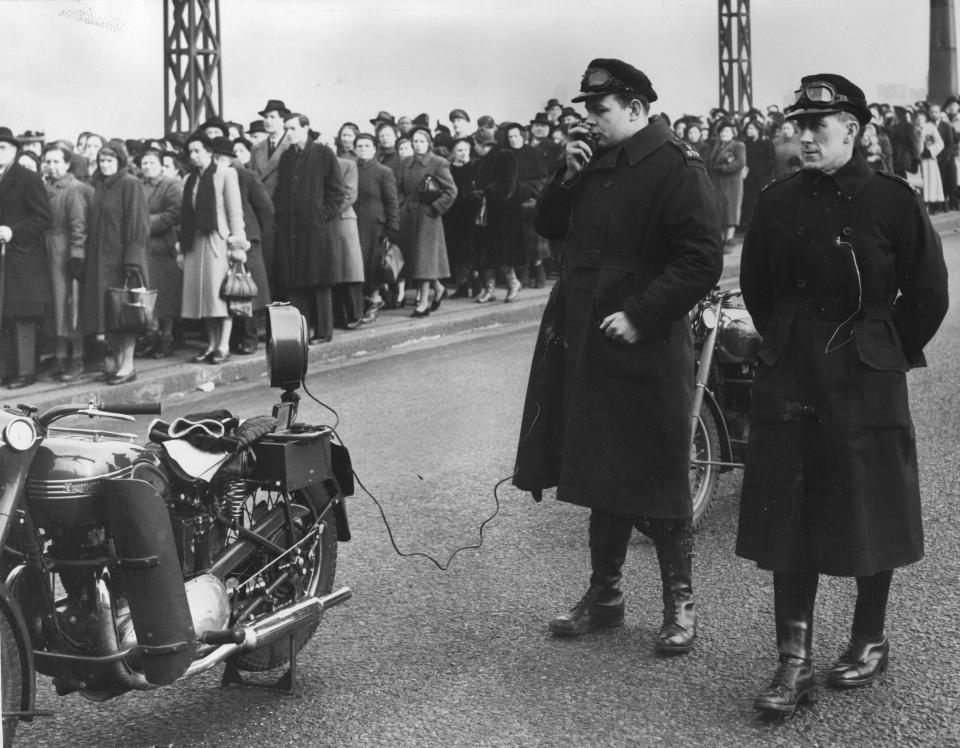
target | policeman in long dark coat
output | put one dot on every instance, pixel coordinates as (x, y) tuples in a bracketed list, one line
[(844, 277), (607, 417)]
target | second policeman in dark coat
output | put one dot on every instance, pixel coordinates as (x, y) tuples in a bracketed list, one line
[(607, 418)]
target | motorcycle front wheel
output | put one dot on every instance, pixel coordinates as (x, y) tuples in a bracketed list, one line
[(704, 449), (13, 671), (316, 563)]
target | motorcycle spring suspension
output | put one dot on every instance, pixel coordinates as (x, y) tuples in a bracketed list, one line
[(234, 492)]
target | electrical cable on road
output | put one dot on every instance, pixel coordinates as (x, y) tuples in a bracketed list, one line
[(409, 554)]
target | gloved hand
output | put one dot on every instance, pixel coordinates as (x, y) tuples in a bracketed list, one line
[(234, 243), (75, 268), (236, 255)]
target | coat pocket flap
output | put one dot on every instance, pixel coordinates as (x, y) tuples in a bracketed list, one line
[(878, 345)]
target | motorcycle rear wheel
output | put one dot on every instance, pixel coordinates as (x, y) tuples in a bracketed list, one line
[(320, 565), (704, 448)]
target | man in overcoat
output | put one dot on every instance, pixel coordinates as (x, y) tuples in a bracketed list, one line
[(309, 193), (845, 279), (24, 216), (266, 154), (607, 417)]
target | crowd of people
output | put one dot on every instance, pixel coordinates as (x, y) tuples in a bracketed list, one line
[(311, 216)]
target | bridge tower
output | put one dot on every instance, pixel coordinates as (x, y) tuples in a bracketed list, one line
[(736, 79), (192, 79), (942, 74)]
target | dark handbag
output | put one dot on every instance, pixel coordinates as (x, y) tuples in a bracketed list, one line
[(132, 311), (429, 189), (388, 261), (238, 284), (481, 219)]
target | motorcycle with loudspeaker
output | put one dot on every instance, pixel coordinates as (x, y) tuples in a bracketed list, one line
[(130, 566), (726, 344)]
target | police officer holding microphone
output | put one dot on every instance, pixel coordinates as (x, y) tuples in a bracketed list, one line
[(607, 413), (844, 278)]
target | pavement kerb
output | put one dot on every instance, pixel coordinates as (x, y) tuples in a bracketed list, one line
[(160, 379)]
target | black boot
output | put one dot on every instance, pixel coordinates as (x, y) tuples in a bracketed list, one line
[(674, 542), (602, 606), (868, 652), (793, 599)]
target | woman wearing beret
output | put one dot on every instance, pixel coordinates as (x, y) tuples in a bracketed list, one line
[(118, 230), (211, 234), (426, 191), (726, 163)]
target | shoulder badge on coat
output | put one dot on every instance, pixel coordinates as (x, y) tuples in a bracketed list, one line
[(690, 155)]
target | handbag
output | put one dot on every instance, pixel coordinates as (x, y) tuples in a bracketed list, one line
[(238, 284), (429, 189), (481, 219), (240, 307), (388, 261), (132, 311)]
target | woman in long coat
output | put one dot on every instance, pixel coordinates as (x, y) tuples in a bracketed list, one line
[(211, 229), (531, 176), (378, 215), (347, 260), (760, 167), (117, 231), (930, 144), (725, 164), (66, 245), (459, 223), (503, 245), (421, 228), (164, 201)]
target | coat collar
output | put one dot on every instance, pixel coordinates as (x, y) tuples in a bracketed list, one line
[(638, 146), (850, 178)]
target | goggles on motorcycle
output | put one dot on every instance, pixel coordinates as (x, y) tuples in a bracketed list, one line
[(182, 427), (819, 94)]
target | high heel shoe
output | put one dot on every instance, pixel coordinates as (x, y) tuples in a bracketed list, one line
[(437, 299)]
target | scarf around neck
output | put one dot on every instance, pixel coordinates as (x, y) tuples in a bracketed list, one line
[(199, 215)]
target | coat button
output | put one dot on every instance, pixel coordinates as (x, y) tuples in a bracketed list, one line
[(847, 231), (608, 184), (814, 195), (848, 198), (801, 231), (801, 283)]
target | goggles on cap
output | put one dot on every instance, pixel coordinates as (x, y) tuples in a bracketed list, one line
[(820, 93), (601, 79)]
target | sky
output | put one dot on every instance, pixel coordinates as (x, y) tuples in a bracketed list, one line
[(72, 65)]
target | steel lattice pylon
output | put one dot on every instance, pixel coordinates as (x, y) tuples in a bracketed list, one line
[(736, 80), (192, 81)]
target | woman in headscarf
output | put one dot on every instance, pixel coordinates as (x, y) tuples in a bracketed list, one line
[(118, 230), (378, 215), (164, 200), (426, 192), (211, 234), (346, 139)]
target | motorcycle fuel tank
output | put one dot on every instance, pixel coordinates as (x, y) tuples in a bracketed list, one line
[(64, 481)]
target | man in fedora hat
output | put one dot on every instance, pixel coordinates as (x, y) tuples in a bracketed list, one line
[(265, 157), (553, 110), (256, 131), (24, 216), (844, 277), (607, 419), (540, 140)]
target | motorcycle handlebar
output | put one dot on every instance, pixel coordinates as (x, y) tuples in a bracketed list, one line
[(133, 409)]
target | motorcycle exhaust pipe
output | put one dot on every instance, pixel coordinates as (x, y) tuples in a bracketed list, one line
[(272, 628)]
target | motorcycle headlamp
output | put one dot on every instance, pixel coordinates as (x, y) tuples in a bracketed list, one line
[(20, 434)]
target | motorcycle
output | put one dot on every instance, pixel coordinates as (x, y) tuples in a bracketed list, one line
[(726, 344), (130, 567)]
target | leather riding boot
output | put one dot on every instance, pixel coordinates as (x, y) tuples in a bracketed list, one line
[(674, 543), (868, 652), (793, 682), (602, 606)]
